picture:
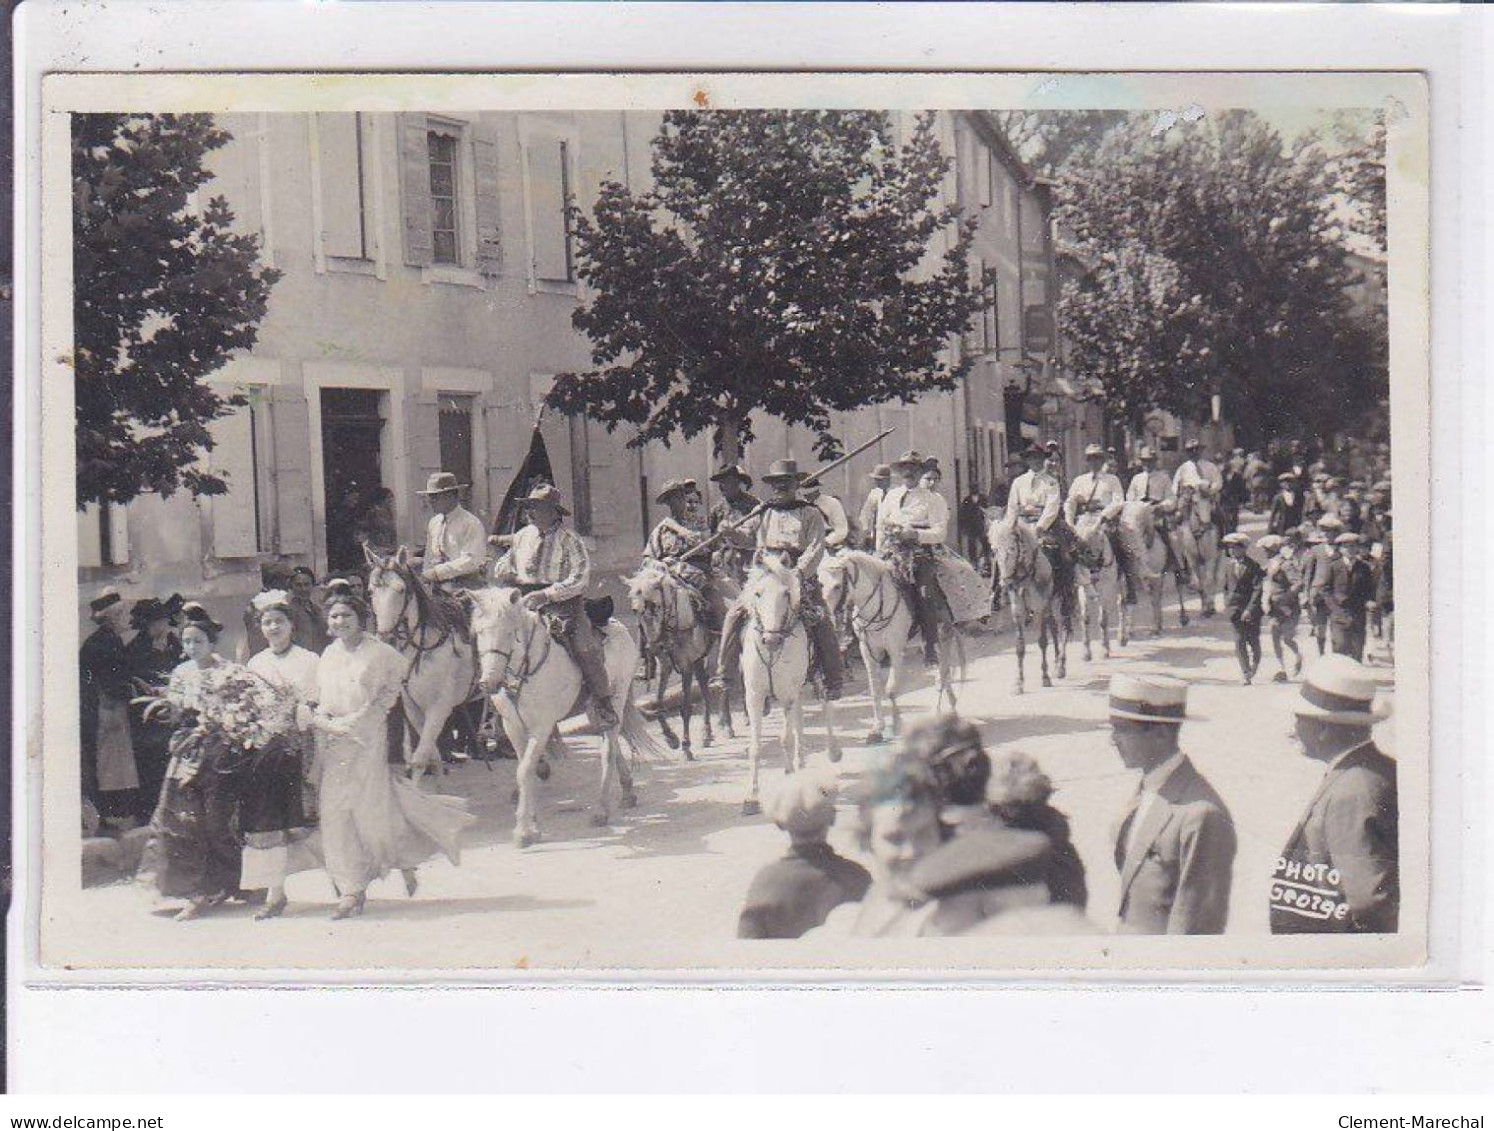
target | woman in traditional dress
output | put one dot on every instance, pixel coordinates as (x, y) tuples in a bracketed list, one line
[(196, 820), (371, 821), (150, 657), (272, 813), (110, 780)]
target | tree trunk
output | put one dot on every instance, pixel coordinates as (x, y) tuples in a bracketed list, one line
[(727, 442)]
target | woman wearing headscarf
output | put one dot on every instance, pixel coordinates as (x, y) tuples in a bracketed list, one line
[(110, 778), (372, 822), (272, 817), (150, 656), (196, 820)]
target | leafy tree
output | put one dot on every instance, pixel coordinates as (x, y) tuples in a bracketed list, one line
[(1048, 140), (773, 266), (163, 294), (1218, 266)]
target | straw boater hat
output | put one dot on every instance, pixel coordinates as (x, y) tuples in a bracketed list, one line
[(911, 458), (733, 471), (1348, 538), (1148, 698), (1330, 522), (675, 487), (782, 470), (1235, 538), (1270, 543), (1146, 453), (1339, 689), (1287, 477), (1091, 450), (545, 494), (441, 482)]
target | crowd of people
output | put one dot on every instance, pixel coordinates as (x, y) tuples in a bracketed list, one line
[(963, 843), (248, 773)]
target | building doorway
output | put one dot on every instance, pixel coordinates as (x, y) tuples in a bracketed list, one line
[(352, 469)]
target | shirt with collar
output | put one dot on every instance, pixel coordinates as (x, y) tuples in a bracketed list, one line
[(1037, 494), (1092, 491), (912, 508), (1153, 486), (456, 545), (556, 559), (1150, 793), (838, 528)]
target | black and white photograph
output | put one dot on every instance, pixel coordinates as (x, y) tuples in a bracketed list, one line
[(735, 524)]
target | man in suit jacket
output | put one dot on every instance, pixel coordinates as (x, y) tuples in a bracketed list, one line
[(1246, 580), (1350, 589), (1175, 845), (1340, 869)]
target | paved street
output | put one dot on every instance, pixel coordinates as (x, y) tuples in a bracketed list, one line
[(675, 869)]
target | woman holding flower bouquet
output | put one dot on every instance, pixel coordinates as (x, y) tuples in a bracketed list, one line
[(372, 822), (195, 823), (272, 810)]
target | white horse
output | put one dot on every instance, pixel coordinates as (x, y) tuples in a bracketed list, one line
[(1030, 587), (1197, 541), (1146, 547), (775, 665), (443, 666), (535, 685), (882, 620), (1100, 584)]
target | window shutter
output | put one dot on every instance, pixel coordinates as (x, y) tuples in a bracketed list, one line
[(90, 541), (485, 171), (290, 424), (415, 190), (509, 427), (119, 535), (610, 490), (338, 147), (547, 208), (423, 442), (233, 514)]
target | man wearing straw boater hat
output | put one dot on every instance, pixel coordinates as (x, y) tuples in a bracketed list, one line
[(1340, 869), (549, 564), (794, 530), (456, 544), (1175, 845)]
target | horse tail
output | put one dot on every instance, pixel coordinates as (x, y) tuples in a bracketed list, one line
[(637, 735)]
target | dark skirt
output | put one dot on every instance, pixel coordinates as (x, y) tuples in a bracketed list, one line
[(197, 822), (272, 793)]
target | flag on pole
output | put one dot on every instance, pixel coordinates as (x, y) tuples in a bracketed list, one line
[(533, 471)]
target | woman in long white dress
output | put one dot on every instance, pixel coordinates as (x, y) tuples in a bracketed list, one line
[(273, 818), (371, 821)]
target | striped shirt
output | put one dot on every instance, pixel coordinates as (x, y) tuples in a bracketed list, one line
[(556, 560)]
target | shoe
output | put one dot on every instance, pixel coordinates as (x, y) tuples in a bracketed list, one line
[(271, 910), (1279, 677), (348, 906), (192, 910)]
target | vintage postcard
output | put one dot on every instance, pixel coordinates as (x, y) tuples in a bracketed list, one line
[(733, 526)]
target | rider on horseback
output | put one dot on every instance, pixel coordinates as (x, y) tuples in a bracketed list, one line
[(911, 524), (456, 548), (1035, 499), (1200, 479), (1093, 492), (737, 501), (793, 529), (1153, 486), (548, 563), (672, 545)]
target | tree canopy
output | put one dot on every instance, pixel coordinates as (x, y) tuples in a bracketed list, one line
[(795, 263), (1216, 262), (164, 293)]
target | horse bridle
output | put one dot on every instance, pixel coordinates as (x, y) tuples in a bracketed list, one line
[(522, 676), (870, 622)]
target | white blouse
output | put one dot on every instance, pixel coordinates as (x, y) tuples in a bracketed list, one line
[(295, 668)]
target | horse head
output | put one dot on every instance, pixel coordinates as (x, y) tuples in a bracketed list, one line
[(1014, 547), (390, 590), (496, 617), (648, 598), (772, 597)]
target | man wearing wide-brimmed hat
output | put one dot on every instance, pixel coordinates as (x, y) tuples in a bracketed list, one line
[(1094, 490), (737, 501), (1036, 498), (793, 529), (1175, 845), (549, 564), (456, 544), (1340, 869), (673, 543), (912, 523), (1151, 484)]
